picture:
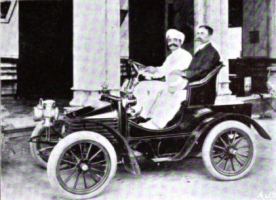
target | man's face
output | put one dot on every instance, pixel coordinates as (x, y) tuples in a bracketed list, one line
[(173, 43), (202, 36)]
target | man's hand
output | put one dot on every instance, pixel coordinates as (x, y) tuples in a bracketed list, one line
[(151, 70), (178, 72)]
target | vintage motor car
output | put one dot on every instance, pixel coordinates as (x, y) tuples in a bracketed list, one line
[(82, 151)]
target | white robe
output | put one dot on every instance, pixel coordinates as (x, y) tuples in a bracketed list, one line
[(146, 91), (164, 108)]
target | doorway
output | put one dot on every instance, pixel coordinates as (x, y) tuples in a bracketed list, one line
[(45, 67)]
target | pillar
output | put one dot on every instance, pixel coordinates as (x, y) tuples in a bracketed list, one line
[(124, 31), (215, 14), (96, 49), (272, 28)]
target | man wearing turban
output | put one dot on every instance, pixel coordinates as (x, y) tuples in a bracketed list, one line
[(179, 59)]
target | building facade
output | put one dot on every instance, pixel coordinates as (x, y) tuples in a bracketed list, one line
[(76, 47)]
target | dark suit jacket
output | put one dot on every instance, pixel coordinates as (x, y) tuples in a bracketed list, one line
[(203, 62)]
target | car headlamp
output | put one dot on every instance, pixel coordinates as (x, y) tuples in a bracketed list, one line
[(47, 111)]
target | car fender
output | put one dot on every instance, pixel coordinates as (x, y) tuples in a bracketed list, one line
[(130, 161), (200, 132), (210, 122)]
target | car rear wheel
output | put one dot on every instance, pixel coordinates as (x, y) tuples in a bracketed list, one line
[(82, 165), (229, 150)]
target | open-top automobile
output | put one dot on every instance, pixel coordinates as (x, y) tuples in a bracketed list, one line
[(82, 151)]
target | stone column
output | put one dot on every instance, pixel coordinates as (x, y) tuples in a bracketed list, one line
[(272, 28), (215, 14), (96, 49), (199, 10), (124, 31)]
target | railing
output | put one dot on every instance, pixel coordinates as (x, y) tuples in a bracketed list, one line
[(8, 76)]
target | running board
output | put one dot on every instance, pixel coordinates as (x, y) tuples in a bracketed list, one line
[(162, 159)]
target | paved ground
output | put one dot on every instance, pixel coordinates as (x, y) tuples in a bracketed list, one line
[(22, 179)]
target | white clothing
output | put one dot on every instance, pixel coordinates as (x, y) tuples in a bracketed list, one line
[(165, 107), (146, 91), (179, 59)]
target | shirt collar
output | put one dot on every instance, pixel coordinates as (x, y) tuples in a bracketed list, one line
[(202, 46)]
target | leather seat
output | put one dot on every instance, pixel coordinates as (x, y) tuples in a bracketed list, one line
[(203, 92)]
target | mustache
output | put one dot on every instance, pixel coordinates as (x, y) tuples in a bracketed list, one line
[(198, 39), (172, 45)]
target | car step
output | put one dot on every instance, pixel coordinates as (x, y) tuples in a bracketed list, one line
[(162, 159)]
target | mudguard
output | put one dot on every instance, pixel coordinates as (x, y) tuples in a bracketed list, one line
[(206, 125), (130, 161), (210, 122)]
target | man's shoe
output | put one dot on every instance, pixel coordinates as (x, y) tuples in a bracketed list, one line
[(137, 153), (140, 119)]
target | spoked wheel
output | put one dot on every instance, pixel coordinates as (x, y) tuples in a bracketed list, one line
[(81, 165), (41, 151), (229, 150)]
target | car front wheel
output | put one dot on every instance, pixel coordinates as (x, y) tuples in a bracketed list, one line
[(82, 165), (229, 150)]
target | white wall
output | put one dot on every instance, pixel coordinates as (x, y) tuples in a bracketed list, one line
[(9, 36), (234, 43)]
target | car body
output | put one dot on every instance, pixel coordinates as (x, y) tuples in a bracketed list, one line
[(82, 151)]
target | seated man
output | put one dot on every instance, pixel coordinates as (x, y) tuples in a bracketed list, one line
[(205, 59), (146, 91), (167, 103)]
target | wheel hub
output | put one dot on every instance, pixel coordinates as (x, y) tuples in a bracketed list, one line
[(84, 167), (232, 151)]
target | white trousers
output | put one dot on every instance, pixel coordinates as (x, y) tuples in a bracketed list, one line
[(165, 107), (146, 93)]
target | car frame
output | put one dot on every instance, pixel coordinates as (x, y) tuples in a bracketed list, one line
[(82, 150)]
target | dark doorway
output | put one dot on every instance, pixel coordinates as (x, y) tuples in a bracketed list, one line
[(147, 31), (45, 65), (181, 17)]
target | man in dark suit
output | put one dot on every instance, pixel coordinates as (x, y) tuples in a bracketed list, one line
[(205, 59)]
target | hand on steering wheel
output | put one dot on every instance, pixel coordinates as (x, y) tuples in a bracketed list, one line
[(150, 70)]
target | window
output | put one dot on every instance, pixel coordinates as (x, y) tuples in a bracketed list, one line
[(7, 7), (235, 13)]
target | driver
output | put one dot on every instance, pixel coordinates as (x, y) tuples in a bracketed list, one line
[(167, 103), (179, 59)]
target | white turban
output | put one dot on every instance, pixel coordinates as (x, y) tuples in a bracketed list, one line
[(173, 33)]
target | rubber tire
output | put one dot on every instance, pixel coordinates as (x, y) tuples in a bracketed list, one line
[(62, 145), (33, 146), (208, 144)]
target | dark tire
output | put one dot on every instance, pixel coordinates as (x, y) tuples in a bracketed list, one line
[(229, 151), (41, 152), (82, 165)]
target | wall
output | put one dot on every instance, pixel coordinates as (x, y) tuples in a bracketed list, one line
[(234, 43), (9, 36), (255, 28)]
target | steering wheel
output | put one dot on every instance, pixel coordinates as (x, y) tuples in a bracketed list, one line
[(138, 67), (129, 84)]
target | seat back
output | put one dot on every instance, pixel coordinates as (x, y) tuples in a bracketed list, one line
[(203, 92)]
